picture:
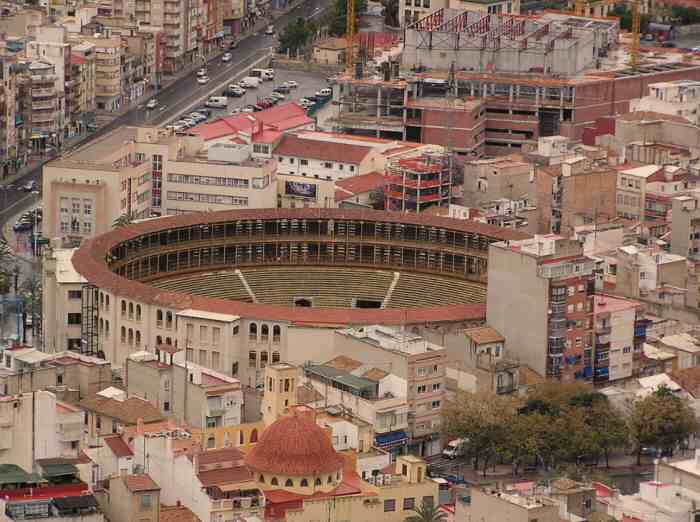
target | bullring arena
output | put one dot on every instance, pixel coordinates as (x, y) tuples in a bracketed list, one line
[(280, 278)]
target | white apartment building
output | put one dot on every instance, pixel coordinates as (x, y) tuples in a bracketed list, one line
[(61, 284), (677, 98), (632, 188)]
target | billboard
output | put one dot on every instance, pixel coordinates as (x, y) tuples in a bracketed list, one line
[(302, 190)]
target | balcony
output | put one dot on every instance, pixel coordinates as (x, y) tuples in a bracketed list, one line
[(49, 91), (603, 329), (45, 104), (43, 117)]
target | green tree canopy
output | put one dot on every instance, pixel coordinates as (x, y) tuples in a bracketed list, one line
[(297, 35), (427, 512), (337, 22)]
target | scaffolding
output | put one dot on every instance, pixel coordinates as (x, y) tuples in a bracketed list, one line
[(415, 184)]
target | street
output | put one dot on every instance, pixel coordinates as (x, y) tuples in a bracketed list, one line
[(175, 98)]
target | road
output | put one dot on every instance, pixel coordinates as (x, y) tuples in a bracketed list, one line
[(174, 98)]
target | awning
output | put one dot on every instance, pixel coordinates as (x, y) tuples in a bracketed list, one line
[(81, 502), (391, 440)]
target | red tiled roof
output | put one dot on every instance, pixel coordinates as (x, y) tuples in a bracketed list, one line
[(118, 446), (177, 514), (216, 456), (216, 477), (128, 411), (135, 483), (294, 445), (280, 118), (359, 185), (300, 146), (89, 261)]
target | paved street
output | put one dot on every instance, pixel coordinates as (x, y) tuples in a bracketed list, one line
[(176, 97)]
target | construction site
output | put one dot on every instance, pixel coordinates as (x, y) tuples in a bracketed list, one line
[(489, 84), (414, 184)]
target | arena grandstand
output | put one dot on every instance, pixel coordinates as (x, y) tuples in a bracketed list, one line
[(298, 274)]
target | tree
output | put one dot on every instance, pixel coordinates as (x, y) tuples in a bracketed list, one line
[(427, 512), (483, 420), (337, 22), (610, 431), (296, 36), (660, 420), (624, 13), (123, 220)]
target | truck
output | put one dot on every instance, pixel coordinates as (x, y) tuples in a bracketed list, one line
[(455, 448), (250, 82)]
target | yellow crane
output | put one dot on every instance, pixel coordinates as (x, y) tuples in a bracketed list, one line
[(350, 35), (580, 10)]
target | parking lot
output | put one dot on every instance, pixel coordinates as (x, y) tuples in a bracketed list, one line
[(309, 83)]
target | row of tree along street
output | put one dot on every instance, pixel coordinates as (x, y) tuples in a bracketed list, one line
[(559, 424)]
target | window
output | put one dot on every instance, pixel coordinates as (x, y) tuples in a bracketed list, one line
[(276, 333), (75, 294), (253, 332), (252, 359), (123, 308), (289, 483), (264, 333), (168, 320), (166, 406), (211, 442), (138, 312), (317, 482), (275, 357), (421, 388), (203, 357), (215, 336), (304, 483), (436, 386), (203, 333), (409, 503), (273, 482), (327, 165), (145, 503), (215, 360), (304, 162), (74, 318), (435, 405), (389, 505), (190, 354)]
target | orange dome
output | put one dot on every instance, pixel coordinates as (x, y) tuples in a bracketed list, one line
[(294, 445)]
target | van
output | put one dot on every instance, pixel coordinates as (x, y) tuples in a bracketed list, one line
[(250, 82), (217, 102), (455, 448), (264, 74)]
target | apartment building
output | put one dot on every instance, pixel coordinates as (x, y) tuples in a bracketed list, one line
[(376, 396), (200, 397), (132, 498), (685, 226), (676, 98), (632, 188), (108, 72), (494, 178), (548, 319), (51, 46), (620, 331), (45, 105), (646, 271), (410, 11), (11, 120), (80, 93), (410, 357), (573, 193)]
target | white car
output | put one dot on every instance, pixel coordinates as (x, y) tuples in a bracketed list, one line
[(277, 96), (235, 110), (202, 72), (291, 84), (270, 30), (226, 57), (152, 104), (202, 80)]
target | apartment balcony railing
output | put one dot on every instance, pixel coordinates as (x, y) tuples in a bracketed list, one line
[(49, 91), (45, 104)]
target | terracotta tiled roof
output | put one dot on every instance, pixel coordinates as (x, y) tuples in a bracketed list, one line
[(375, 374), (118, 446), (128, 411), (89, 261), (177, 514), (359, 185), (484, 335), (344, 363), (219, 455), (135, 483), (307, 394), (302, 147), (294, 445), (216, 477)]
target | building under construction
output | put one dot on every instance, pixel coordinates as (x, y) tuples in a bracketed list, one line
[(475, 108), (415, 184), (552, 44)]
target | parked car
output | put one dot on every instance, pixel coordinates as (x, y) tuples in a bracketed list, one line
[(277, 96), (284, 88), (248, 108), (29, 186), (235, 110), (152, 104), (455, 448), (291, 84), (270, 29), (202, 80), (22, 226), (202, 72), (258, 108), (226, 57), (265, 104), (324, 93)]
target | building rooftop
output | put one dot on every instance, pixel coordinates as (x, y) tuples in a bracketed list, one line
[(65, 273), (302, 146), (118, 446), (362, 184), (343, 363), (177, 514), (127, 411), (608, 303), (137, 483), (390, 339), (484, 335), (683, 342)]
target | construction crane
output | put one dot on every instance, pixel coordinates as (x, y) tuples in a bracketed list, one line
[(350, 35), (580, 10)]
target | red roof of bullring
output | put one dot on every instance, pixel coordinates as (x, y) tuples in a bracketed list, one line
[(89, 261), (294, 445)]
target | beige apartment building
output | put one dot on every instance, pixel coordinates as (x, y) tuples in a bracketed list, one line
[(132, 498), (80, 90), (632, 189), (45, 115), (139, 172), (420, 363), (108, 76)]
